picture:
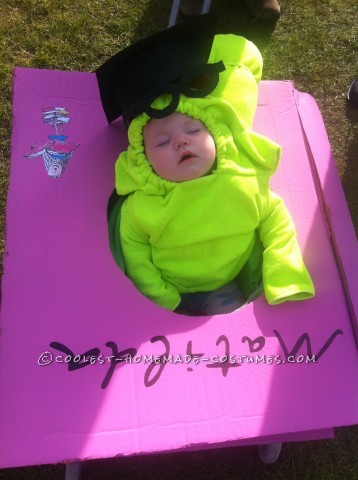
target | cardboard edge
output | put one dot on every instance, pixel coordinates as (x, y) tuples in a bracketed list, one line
[(331, 197)]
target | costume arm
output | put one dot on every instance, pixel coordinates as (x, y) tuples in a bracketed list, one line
[(140, 268), (238, 83), (285, 276)]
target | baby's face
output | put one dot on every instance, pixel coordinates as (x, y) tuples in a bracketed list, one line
[(178, 147)]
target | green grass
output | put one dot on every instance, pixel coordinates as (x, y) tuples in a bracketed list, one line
[(315, 45)]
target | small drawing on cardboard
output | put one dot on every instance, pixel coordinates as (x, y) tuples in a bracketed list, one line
[(55, 151)]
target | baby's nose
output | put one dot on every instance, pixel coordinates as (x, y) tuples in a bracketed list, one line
[(181, 140)]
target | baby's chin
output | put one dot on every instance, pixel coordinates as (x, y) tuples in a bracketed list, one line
[(192, 169), (192, 175)]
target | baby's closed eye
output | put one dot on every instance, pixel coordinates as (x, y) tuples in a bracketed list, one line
[(194, 127), (162, 141)]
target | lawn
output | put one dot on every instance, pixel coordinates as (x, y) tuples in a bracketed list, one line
[(314, 44)]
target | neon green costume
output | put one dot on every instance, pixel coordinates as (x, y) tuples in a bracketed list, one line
[(197, 235)]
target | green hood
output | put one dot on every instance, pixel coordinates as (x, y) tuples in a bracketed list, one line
[(227, 113)]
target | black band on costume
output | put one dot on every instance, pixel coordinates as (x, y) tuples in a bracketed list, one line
[(198, 83)]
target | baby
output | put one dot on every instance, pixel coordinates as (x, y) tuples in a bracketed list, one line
[(199, 213), (180, 148)]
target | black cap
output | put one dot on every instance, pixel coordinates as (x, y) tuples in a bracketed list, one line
[(173, 61)]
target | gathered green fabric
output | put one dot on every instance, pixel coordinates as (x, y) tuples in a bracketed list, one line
[(197, 235)]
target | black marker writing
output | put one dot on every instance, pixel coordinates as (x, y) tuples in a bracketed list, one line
[(305, 338), (117, 357), (260, 341), (160, 365), (156, 368), (226, 364)]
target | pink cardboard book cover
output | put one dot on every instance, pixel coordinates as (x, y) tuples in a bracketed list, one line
[(69, 317)]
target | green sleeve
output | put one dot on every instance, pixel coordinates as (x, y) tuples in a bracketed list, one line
[(238, 83), (284, 274), (140, 268)]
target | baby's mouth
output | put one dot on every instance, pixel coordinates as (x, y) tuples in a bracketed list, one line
[(186, 156)]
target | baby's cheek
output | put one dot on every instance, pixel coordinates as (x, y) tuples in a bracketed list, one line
[(151, 157), (161, 164), (211, 147)]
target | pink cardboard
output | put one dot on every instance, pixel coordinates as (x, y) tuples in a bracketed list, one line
[(333, 203), (63, 295)]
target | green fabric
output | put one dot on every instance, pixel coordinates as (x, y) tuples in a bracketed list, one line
[(198, 235), (114, 220)]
